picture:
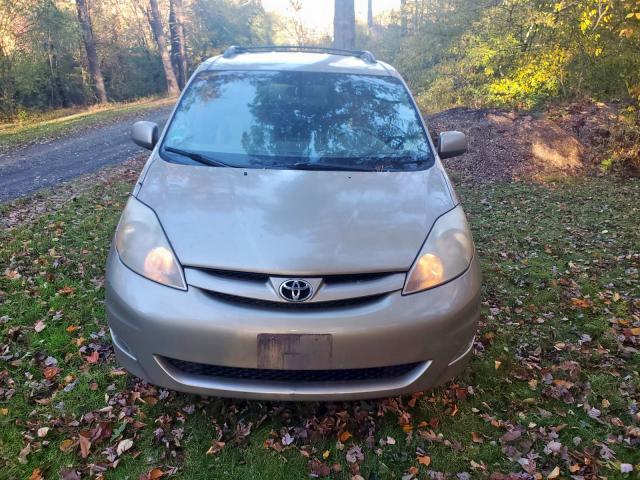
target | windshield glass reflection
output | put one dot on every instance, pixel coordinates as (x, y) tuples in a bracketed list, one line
[(283, 119)]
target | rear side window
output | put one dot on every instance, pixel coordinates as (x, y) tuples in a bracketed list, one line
[(267, 119)]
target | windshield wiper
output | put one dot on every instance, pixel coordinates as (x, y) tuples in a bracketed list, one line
[(199, 157), (327, 166)]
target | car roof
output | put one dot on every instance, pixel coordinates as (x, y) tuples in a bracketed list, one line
[(300, 61)]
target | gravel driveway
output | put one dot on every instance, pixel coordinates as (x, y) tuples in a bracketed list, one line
[(29, 168)]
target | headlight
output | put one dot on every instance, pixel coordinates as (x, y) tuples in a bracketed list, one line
[(144, 248), (446, 254)]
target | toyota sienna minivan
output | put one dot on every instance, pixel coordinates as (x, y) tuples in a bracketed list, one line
[(294, 236)]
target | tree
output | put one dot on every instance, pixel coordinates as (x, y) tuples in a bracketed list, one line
[(370, 14), (92, 54), (344, 25), (156, 26), (178, 42)]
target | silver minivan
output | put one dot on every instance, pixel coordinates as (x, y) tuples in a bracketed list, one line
[(294, 236)]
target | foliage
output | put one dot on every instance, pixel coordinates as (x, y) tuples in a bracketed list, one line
[(43, 64), (514, 53)]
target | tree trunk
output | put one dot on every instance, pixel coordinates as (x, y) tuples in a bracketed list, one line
[(344, 25), (370, 14), (178, 42), (92, 54), (158, 33), (403, 16)]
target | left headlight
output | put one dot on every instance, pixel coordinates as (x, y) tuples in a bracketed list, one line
[(446, 254), (144, 248)]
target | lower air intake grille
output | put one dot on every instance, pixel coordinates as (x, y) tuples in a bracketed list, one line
[(293, 376)]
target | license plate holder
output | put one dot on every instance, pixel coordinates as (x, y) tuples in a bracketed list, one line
[(293, 351)]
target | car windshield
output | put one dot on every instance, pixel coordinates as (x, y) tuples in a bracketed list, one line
[(306, 120)]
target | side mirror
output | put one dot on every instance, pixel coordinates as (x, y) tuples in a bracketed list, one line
[(452, 144), (145, 134)]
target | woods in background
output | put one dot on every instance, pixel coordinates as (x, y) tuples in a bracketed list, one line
[(514, 53), (58, 53)]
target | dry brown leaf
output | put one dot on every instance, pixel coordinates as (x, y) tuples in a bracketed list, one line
[(66, 291), (85, 445), (67, 445), (51, 372), (93, 358), (215, 448), (36, 474)]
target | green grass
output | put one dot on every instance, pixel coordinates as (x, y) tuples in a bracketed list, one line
[(59, 122), (560, 261)]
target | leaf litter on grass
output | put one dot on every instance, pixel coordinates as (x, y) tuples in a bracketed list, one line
[(552, 390)]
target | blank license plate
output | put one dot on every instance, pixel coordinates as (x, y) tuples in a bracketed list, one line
[(294, 351)]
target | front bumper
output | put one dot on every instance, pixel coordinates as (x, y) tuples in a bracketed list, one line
[(151, 323)]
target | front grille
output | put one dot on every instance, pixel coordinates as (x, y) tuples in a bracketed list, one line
[(328, 279), (295, 306), (293, 376)]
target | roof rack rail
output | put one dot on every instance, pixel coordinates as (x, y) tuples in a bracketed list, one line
[(365, 55)]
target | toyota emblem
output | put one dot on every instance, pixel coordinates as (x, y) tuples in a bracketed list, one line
[(296, 290)]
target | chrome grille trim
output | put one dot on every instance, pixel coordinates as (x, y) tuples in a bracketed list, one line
[(262, 287)]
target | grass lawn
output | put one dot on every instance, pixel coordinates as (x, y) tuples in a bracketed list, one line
[(553, 389), (59, 122)]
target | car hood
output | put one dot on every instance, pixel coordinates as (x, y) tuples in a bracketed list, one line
[(291, 222)]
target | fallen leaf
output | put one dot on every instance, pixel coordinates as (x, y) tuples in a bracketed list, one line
[(12, 274), (68, 474), (22, 456), (67, 445), (476, 438), (344, 436), (497, 364), (555, 473), (626, 468), (319, 468), (424, 460), (42, 432), (85, 445), (215, 448), (123, 446), (563, 383), (51, 372), (36, 474), (39, 326), (511, 435), (66, 291), (153, 474), (4, 412), (93, 358)]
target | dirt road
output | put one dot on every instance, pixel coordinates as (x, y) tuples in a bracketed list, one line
[(24, 170)]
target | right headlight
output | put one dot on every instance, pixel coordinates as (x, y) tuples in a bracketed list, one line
[(144, 248), (446, 254)]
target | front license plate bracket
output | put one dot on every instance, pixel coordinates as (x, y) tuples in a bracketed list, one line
[(293, 351)]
